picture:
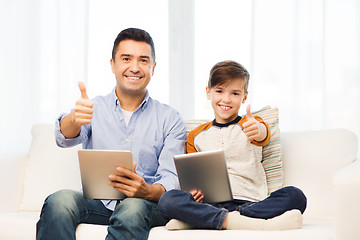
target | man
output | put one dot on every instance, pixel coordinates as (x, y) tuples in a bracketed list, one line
[(126, 119)]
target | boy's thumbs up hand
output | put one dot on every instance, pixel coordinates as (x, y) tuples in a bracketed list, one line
[(252, 128), (248, 113), (83, 112)]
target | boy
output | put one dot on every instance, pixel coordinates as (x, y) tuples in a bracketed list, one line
[(242, 139)]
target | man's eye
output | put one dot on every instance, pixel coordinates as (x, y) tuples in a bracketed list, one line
[(144, 60), (126, 59)]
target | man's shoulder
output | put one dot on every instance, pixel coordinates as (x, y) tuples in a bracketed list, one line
[(166, 109)]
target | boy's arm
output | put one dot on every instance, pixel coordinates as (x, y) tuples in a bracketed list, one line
[(256, 129)]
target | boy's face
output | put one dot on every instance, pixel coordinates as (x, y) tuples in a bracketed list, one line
[(226, 100)]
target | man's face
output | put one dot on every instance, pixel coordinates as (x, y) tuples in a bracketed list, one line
[(226, 100), (133, 67)]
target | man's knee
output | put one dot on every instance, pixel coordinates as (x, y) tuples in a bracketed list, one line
[(132, 208), (61, 203)]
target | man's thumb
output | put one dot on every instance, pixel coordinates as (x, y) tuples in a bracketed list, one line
[(248, 113), (83, 90), (134, 165)]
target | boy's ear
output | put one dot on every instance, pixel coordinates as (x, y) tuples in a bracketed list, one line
[(208, 93), (245, 97)]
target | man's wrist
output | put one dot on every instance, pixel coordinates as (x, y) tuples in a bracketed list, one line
[(155, 192)]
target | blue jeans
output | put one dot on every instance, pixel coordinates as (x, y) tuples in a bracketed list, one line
[(65, 209), (181, 205)]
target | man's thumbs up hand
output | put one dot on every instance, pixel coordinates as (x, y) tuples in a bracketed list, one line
[(252, 128), (83, 112), (83, 90)]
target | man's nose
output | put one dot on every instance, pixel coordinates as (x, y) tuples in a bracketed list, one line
[(134, 67)]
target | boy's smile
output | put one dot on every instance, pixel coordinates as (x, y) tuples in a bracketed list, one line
[(226, 100)]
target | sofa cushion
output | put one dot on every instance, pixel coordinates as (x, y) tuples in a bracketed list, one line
[(10, 223), (49, 168), (311, 159)]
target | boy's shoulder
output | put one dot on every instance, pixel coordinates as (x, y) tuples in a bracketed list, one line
[(201, 128)]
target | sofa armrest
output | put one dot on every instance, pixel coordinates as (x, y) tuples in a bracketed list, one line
[(11, 181), (347, 196)]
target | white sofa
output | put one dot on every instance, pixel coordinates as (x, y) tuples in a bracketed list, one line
[(322, 163)]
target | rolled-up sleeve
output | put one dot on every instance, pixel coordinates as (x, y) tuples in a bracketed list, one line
[(60, 139)]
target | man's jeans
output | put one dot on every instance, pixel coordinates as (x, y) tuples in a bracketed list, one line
[(181, 205), (64, 210)]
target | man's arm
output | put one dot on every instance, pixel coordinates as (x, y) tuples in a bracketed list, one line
[(71, 124)]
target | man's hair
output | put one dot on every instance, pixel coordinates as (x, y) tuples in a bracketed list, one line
[(225, 71), (135, 34)]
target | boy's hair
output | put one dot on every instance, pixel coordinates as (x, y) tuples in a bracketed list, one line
[(225, 71), (135, 34)]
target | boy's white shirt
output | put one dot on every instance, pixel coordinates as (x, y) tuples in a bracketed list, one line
[(243, 159)]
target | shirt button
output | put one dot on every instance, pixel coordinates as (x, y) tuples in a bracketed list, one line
[(127, 140), (121, 118)]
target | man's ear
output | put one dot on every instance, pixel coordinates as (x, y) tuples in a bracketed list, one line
[(153, 69), (208, 93), (245, 97), (112, 63)]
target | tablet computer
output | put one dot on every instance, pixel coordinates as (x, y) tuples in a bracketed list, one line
[(207, 172), (95, 168)]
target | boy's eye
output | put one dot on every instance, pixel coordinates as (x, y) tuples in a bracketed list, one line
[(218, 91), (236, 94)]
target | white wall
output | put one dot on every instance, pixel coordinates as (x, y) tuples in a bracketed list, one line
[(303, 56)]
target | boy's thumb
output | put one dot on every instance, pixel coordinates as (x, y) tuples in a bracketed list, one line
[(248, 113)]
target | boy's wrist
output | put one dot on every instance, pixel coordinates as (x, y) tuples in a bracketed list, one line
[(262, 132)]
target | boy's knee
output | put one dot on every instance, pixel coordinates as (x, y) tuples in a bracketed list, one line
[(297, 197), (170, 201)]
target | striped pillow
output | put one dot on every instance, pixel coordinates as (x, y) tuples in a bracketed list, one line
[(271, 161)]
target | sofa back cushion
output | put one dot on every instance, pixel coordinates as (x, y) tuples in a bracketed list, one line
[(49, 168), (310, 160)]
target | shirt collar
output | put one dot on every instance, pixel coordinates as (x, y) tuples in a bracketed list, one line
[(236, 120), (116, 101)]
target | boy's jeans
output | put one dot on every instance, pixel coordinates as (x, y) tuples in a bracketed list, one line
[(181, 205), (64, 210)]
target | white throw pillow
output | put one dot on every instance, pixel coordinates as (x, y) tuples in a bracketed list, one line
[(49, 168)]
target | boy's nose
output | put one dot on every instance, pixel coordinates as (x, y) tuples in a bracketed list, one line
[(226, 98)]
